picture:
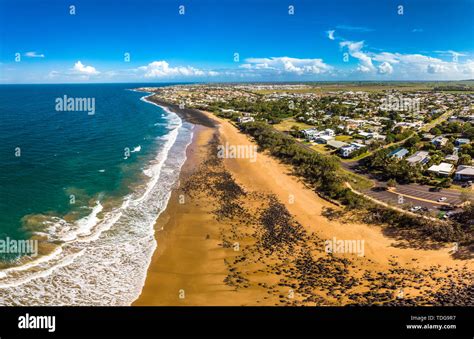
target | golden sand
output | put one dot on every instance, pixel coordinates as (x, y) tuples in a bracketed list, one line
[(192, 265)]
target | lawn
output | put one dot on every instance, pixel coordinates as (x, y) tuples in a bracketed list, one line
[(286, 124), (321, 148), (357, 181), (344, 138), (357, 158)]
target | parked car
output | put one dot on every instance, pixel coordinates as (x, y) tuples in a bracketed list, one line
[(442, 199)]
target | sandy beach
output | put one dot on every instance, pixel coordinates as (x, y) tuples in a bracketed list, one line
[(241, 232)]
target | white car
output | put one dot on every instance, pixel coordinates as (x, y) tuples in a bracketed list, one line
[(415, 208), (442, 199)]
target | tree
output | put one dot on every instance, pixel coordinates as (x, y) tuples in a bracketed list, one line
[(412, 141), (445, 183), (435, 131), (295, 131), (467, 197), (469, 133), (448, 148), (465, 159), (392, 183)]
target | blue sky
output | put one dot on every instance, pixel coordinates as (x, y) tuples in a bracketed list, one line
[(322, 40)]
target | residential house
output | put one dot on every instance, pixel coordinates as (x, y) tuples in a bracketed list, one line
[(310, 133), (323, 139), (329, 132), (399, 153), (443, 169), (464, 173), (420, 157), (427, 136), (365, 135), (453, 158), (461, 141), (243, 120), (336, 144), (346, 151), (439, 141)]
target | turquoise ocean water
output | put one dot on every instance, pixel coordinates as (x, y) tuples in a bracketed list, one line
[(91, 184)]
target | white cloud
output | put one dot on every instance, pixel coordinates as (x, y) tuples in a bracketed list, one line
[(409, 66), (386, 57), (417, 30), (436, 68), (287, 65), (453, 54), (331, 34), (53, 74), (355, 50), (80, 68), (34, 55), (385, 68), (419, 65), (162, 69)]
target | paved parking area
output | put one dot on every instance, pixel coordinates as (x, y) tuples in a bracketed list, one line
[(423, 192), (429, 198), (394, 199)]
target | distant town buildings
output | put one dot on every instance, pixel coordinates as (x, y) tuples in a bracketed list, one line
[(349, 121)]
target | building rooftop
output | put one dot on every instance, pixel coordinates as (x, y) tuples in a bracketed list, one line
[(399, 153), (336, 144), (465, 170), (418, 157), (444, 167)]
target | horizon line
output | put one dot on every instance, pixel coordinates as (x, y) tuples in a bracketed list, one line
[(238, 82)]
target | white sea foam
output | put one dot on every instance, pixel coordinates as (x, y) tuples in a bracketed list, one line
[(40, 260), (81, 227), (103, 261), (136, 149)]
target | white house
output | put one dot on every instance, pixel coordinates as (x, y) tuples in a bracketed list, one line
[(329, 132), (243, 120), (323, 139), (462, 141), (346, 151), (310, 133), (337, 144), (439, 141), (443, 169), (399, 153)]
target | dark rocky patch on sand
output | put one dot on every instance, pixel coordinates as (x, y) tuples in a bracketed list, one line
[(275, 254)]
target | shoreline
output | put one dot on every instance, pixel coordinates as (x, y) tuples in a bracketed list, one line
[(115, 213), (190, 115), (195, 255)]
